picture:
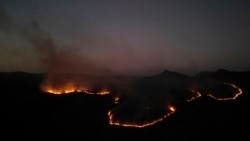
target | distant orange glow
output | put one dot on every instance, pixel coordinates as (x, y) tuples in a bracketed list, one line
[(70, 88), (62, 91), (171, 108), (236, 95), (101, 92), (52, 91), (116, 100), (197, 95), (112, 121)]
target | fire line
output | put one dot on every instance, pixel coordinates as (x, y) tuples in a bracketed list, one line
[(136, 125), (111, 115)]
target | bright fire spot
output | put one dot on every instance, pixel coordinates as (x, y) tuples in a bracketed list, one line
[(116, 100), (171, 108), (236, 95), (65, 90), (69, 88), (138, 125), (197, 95)]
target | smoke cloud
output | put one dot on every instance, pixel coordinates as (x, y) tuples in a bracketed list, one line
[(141, 99), (54, 60), (5, 21)]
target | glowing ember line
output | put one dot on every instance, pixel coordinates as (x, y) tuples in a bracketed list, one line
[(197, 95), (103, 93), (239, 92), (71, 90), (116, 100), (136, 125), (98, 93), (58, 92)]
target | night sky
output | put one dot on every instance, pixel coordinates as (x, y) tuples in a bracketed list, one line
[(131, 37)]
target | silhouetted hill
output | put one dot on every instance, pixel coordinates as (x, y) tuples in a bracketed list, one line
[(171, 73), (29, 113)]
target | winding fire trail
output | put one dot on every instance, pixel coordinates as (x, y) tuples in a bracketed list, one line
[(236, 95), (66, 89), (197, 95), (136, 125)]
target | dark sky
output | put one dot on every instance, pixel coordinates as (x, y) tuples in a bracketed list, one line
[(129, 36)]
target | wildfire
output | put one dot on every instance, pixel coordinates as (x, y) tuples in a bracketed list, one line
[(67, 91), (137, 125), (63, 90), (70, 88), (197, 95), (172, 109), (102, 92), (237, 94), (116, 100)]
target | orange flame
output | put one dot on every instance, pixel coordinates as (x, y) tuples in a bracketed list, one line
[(172, 109), (236, 95), (101, 92), (64, 89), (197, 95), (116, 100), (136, 125), (70, 88)]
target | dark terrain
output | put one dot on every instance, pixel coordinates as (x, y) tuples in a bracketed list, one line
[(29, 113)]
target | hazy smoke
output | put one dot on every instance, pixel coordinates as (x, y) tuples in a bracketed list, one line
[(54, 59), (141, 99), (150, 97), (42, 42), (206, 84), (5, 20)]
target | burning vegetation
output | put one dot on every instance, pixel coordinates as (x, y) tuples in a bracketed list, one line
[(112, 121), (168, 86), (69, 88), (147, 116)]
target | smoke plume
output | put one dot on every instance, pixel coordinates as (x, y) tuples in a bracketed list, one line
[(142, 100), (55, 60)]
